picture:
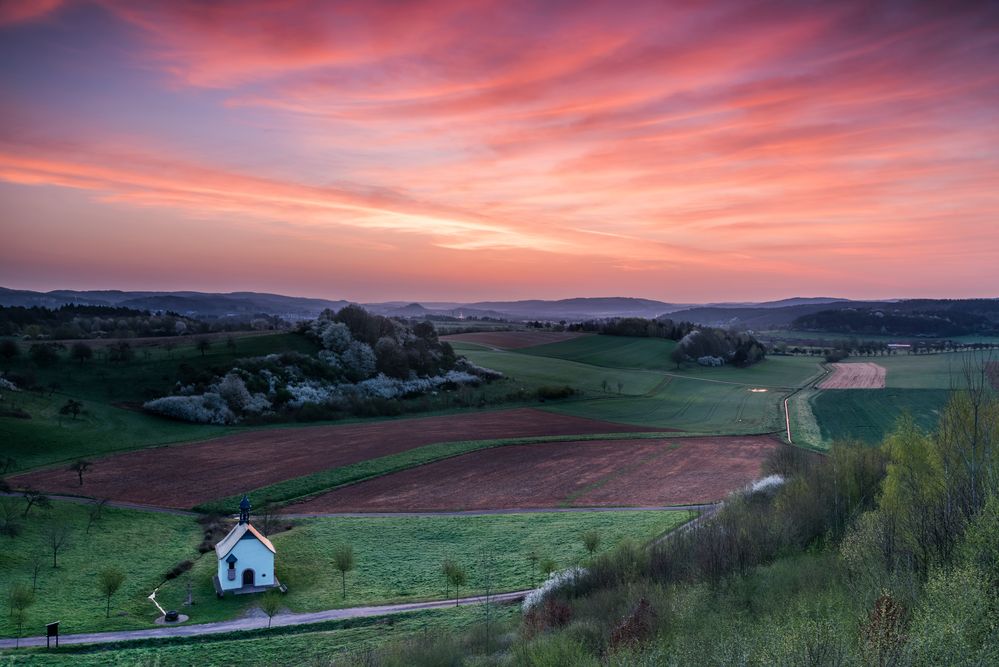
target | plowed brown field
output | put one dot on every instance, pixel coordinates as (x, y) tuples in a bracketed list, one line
[(513, 340), (583, 474), (181, 476), (863, 375)]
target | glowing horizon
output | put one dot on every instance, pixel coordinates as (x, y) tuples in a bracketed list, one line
[(464, 151)]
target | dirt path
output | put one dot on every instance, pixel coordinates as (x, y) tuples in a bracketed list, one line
[(362, 515)]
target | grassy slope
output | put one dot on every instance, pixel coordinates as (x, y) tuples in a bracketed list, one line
[(142, 545), (609, 351), (104, 427), (399, 559)]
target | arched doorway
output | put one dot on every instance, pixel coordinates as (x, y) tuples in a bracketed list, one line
[(248, 577)]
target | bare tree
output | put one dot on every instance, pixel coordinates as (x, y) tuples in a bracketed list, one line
[(109, 581), (36, 563), (203, 345), (57, 537), (591, 541), (95, 513), (79, 468), (270, 603), (34, 497), (458, 579), (21, 597)]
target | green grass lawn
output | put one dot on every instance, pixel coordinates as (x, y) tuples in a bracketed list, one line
[(399, 558), (304, 645), (143, 545)]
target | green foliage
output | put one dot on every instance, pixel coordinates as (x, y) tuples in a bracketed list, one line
[(109, 581)]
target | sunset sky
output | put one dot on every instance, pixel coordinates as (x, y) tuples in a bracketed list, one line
[(684, 151)]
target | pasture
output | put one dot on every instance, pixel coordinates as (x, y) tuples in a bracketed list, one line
[(591, 473), (860, 414)]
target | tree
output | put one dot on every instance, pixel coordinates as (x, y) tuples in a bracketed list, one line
[(203, 345), (43, 354), (21, 597), (533, 558), (343, 561), (79, 468), (10, 523), (230, 343), (548, 566), (169, 346), (121, 352), (81, 352), (71, 407), (95, 513), (447, 567), (591, 541), (620, 386), (57, 537), (109, 581), (270, 603), (36, 562), (8, 350), (34, 497), (677, 356), (457, 577)]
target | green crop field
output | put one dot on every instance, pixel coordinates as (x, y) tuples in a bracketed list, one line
[(311, 644), (927, 371), (869, 414), (398, 559)]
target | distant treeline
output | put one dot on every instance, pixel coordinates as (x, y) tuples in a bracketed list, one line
[(930, 319), (695, 342), (74, 322)]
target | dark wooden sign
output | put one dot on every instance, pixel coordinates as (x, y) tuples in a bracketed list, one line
[(51, 630)]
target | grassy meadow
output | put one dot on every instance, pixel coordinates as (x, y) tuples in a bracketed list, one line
[(143, 545), (398, 560)]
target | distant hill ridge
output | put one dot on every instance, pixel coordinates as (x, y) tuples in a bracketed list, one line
[(783, 313)]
